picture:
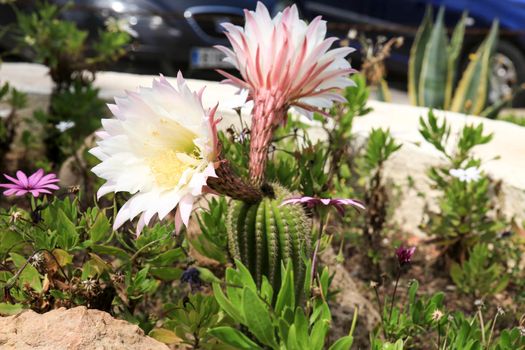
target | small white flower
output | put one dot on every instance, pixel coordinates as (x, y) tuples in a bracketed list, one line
[(466, 175), (65, 125), (437, 315)]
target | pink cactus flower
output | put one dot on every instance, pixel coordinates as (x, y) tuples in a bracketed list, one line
[(338, 203), (36, 184), (286, 61), (283, 62)]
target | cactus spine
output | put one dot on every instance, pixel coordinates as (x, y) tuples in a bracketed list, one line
[(264, 234)]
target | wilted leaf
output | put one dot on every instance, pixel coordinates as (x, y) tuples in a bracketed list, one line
[(165, 336)]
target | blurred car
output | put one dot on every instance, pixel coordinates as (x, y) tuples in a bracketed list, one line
[(172, 33), (175, 34)]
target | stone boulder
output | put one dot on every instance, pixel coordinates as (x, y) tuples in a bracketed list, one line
[(74, 329)]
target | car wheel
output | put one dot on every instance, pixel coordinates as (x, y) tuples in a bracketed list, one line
[(508, 71)]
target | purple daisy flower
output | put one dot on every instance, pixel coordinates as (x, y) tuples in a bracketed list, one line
[(36, 184), (337, 203), (404, 255)]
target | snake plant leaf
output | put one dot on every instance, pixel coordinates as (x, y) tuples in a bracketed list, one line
[(416, 55), (472, 92), (383, 92), (453, 52), (433, 74)]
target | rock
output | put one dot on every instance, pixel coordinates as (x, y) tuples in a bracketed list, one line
[(74, 329)]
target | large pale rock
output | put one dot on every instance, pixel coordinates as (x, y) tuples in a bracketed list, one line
[(74, 329)]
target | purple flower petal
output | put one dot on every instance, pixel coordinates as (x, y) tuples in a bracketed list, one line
[(49, 178), (10, 192), (339, 208), (12, 179), (23, 178), (10, 186), (20, 192), (35, 178)]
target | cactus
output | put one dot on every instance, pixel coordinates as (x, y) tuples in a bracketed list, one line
[(265, 234), (431, 78)]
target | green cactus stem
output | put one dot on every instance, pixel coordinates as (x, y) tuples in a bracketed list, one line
[(265, 234)]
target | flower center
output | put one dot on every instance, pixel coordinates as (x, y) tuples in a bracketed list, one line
[(169, 166)]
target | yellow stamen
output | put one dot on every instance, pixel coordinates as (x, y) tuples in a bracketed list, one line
[(167, 167)]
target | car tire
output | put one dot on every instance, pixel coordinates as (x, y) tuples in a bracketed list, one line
[(509, 69)]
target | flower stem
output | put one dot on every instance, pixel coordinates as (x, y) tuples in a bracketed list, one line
[(265, 118), (482, 326), (394, 295), (380, 305), (316, 251), (439, 335)]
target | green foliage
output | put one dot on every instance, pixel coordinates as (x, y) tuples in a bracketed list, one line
[(213, 239), (432, 79), (59, 255), (380, 146), (72, 59), (410, 323), (191, 319), (425, 323), (63, 47), (282, 326), (464, 204), (478, 276), (266, 234)]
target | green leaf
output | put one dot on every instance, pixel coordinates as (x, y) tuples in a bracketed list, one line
[(7, 309), (233, 337), (67, 237), (344, 343), (260, 324), (29, 275), (168, 258), (417, 53), (453, 52), (110, 250), (226, 305), (166, 273), (100, 228), (472, 91), (63, 258), (286, 296), (165, 336), (434, 68)]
